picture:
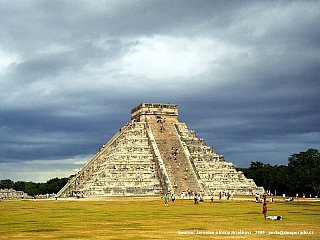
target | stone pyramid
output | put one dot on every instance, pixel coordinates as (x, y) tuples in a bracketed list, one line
[(154, 154)]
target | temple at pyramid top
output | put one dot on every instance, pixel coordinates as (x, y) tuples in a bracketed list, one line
[(146, 110), (155, 154)]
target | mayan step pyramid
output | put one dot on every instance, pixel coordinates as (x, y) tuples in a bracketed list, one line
[(154, 154)]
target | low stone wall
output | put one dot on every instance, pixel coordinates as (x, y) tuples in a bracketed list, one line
[(11, 193)]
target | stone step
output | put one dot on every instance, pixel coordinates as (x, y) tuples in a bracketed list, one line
[(166, 140)]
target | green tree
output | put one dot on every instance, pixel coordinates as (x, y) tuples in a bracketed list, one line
[(54, 185), (257, 173), (280, 181), (19, 186), (273, 178), (31, 188), (7, 183), (304, 168), (316, 188)]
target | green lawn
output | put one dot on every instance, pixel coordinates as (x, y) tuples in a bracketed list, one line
[(148, 218)]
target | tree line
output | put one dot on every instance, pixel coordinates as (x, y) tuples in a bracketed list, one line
[(31, 188), (301, 175)]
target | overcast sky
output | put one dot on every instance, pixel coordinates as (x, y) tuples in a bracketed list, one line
[(245, 75)]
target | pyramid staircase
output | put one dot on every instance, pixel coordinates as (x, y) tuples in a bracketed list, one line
[(178, 167)]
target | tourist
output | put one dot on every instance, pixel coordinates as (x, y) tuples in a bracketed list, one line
[(176, 152), (173, 198), (166, 198), (265, 197), (271, 198), (196, 199), (274, 218), (257, 197), (264, 210)]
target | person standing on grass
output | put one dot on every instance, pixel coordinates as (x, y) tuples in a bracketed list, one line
[(166, 198), (196, 199), (173, 198), (264, 210)]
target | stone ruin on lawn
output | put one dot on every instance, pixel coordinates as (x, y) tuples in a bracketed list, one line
[(154, 154)]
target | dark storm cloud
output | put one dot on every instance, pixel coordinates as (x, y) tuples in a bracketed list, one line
[(245, 75)]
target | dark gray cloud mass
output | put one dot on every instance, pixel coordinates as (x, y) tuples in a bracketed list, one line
[(245, 75)]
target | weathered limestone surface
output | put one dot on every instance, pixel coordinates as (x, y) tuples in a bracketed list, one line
[(128, 168), (214, 172), (124, 166), (153, 154)]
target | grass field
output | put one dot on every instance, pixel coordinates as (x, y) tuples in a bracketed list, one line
[(148, 218)]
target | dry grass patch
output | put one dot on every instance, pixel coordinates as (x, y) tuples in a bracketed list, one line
[(125, 218)]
